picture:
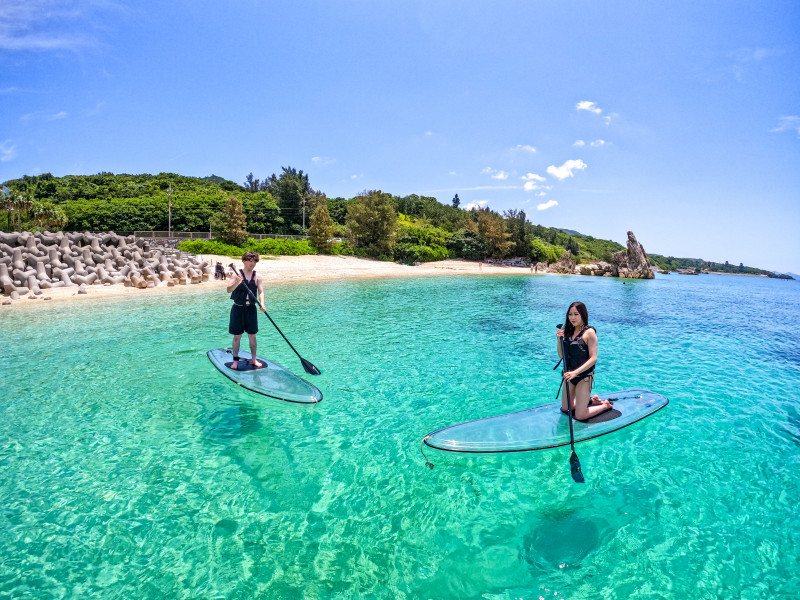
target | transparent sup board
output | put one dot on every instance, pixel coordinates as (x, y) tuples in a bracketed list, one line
[(271, 380), (544, 426)]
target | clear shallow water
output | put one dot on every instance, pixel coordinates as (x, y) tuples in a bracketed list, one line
[(130, 468)]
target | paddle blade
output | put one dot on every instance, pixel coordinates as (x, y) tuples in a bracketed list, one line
[(310, 368), (575, 468)]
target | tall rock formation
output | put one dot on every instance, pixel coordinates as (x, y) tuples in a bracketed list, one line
[(633, 263)]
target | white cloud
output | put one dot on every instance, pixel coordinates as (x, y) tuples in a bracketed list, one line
[(788, 124), (546, 205), (57, 116), (590, 106), (526, 148), (478, 204), (8, 151), (494, 173), (322, 160), (531, 186), (594, 144), (566, 170), (533, 177), (428, 133)]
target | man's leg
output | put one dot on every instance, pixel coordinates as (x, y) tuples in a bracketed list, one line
[(254, 361), (237, 339)]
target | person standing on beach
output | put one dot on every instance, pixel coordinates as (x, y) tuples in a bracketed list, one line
[(581, 345), (244, 317)]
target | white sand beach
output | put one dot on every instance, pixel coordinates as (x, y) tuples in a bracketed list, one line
[(281, 269)]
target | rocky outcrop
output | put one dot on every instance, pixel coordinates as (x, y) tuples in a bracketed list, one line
[(633, 263), (598, 269), (33, 262), (565, 264)]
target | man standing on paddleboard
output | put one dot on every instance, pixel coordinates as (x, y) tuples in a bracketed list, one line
[(244, 316)]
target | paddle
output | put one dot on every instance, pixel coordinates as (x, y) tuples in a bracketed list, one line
[(574, 462), (307, 365)]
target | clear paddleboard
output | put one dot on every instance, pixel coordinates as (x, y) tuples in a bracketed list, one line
[(544, 426), (270, 380)]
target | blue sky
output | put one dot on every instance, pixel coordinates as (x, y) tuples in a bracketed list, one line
[(677, 120)]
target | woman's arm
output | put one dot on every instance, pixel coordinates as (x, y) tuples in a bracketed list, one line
[(559, 336)]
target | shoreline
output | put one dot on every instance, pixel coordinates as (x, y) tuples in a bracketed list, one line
[(280, 269)]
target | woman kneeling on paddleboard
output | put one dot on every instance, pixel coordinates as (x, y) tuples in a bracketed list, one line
[(581, 343)]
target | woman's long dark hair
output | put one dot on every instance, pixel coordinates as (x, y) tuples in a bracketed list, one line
[(569, 330)]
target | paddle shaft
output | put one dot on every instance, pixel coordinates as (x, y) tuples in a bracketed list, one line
[(565, 383), (574, 461), (310, 368)]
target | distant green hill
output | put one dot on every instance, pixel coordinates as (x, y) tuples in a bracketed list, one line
[(670, 263)]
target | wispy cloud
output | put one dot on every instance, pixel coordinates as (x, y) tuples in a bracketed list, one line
[(525, 148), (476, 188), (746, 60), (47, 25), (321, 160), (546, 205), (788, 124), (567, 169), (8, 151), (44, 116), (533, 177), (594, 144), (494, 173), (593, 108)]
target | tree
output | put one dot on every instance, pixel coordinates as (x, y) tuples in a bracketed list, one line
[(289, 190), (492, 229), (251, 183), (229, 225), (519, 236), (320, 228), (47, 215), (372, 222), (456, 201)]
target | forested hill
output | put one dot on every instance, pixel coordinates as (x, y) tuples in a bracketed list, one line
[(408, 228), (670, 263)]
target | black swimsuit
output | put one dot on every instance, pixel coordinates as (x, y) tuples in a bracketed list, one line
[(244, 317), (577, 354)]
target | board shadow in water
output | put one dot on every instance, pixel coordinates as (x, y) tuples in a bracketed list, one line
[(558, 542)]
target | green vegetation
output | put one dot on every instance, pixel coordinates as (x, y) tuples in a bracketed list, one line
[(268, 246), (406, 229), (670, 263)]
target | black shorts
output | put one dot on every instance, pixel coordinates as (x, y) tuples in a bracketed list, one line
[(243, 319)]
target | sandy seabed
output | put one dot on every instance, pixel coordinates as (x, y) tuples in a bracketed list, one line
[(281, 269)]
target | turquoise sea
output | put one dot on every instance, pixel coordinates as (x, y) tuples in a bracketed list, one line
[(130, 468)]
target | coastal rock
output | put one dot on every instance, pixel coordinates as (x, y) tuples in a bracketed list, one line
[(598, 269), (633, 263), (565, 264)]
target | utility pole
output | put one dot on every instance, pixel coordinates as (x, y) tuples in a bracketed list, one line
[(169, 208)]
